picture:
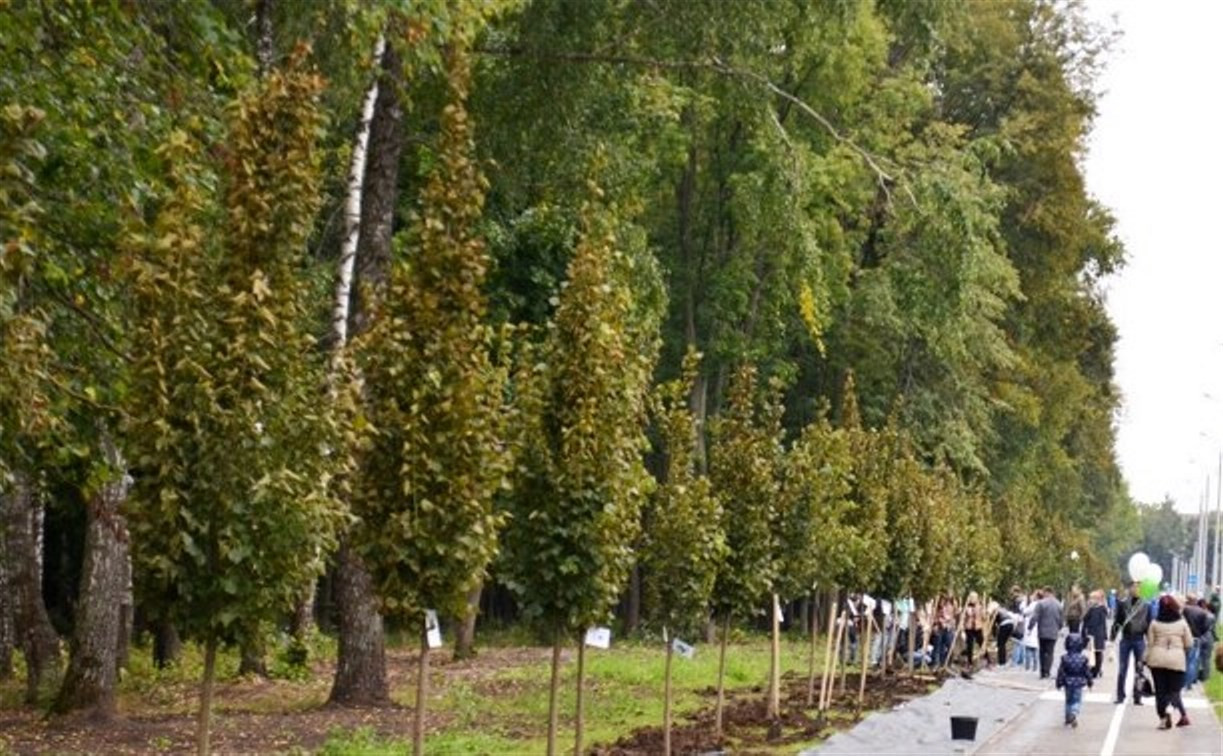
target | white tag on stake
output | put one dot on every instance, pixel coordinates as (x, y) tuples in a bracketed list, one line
[(598, 637), (683, 649), (433, 630)]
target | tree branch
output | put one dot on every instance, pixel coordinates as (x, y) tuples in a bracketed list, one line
[(718, 66)]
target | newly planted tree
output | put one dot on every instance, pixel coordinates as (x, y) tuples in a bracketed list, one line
[(744, 465), (434, 454), (580, 479), (230, 430), (812, 533), (684, 542)]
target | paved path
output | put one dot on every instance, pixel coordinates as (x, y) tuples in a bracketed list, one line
[(1021, 714), (1104, 727)]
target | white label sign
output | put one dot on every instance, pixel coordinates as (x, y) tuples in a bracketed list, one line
[(598, 637), (683, 649), (433, 630)]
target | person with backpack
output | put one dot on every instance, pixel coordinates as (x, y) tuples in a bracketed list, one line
[(1130, 630), (1073, 674), (1076, 607)]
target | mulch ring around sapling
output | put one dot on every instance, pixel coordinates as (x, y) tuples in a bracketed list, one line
[(747, 726)]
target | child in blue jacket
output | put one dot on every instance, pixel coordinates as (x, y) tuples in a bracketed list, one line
[(1073, 675)]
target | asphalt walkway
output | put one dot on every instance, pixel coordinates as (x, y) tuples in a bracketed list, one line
[(1020, 714)]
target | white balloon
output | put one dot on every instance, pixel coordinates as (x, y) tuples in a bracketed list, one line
[(1154, 572), (1138, 565)]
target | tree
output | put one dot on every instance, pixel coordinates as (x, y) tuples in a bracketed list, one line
[(231, 511), (744, 459), (434, 454), (684, 542), (814, 489), (580, 478)]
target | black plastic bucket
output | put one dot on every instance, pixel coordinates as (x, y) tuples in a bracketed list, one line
[(963, 728)]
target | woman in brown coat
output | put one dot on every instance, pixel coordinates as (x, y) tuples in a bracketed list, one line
[(1168, 642)]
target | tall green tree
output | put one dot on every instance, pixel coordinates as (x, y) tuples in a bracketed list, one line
[(745, 457), (581, 480), (228, 424), (684, 542), (435, 453)]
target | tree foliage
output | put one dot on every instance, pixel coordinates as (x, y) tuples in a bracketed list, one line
[(684, 542), (231, 510)]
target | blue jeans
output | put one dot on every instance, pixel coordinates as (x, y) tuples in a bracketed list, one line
[(1030, 661), (1017, 652), (1191, 663), (942, 646), (1074, 701), (1136, 646)]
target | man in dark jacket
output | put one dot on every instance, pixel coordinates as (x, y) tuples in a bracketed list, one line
[(1047, 618), (1130, 626)]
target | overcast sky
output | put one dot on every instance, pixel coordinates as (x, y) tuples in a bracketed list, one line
[(1156, 157)]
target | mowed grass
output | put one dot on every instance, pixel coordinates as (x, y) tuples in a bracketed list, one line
[(507, 712), (497, 703)]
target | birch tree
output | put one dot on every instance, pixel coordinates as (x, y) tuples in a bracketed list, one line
[(434, 453)]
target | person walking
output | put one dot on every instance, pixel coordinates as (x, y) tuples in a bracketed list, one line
[(1005, 621), (974, 623), (1201, 623), (1047, 618), (1208, 640), (1073, 674), (1031, 640), (1130, 624), (1095, 628), (1168, 643), (942, 633), (1076, 607)]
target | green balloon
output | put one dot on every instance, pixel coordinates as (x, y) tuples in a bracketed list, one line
[(1148, 588)]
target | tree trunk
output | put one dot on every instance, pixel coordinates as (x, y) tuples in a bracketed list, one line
[(352, 208), (814, 629), (912, 642), (127, 609), (98, 626), (203, 728), (774, 706), (579, 713), (837, 661), (381, 194), (303, 615), (717, 712), (6, 611), (22, 525), (166, 644), (864, 657), (254, 655), (465, 638), (552, 692), (360, 676), (422, 691), (828, 653), (361, 664), (632, 619), (666, 702), (264, 52)]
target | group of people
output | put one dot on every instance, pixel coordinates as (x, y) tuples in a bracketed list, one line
[(1169, 638)]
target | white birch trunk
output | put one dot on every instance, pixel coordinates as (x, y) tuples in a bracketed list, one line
[(352, 208)]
